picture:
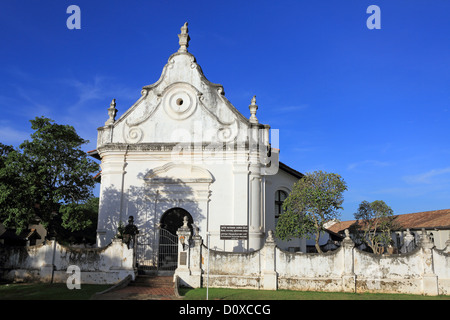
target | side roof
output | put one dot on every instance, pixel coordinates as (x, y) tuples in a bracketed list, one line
[(290, 170), (436, 219)]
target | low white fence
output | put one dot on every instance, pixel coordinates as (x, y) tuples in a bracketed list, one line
[(426, 270), (51, 262)]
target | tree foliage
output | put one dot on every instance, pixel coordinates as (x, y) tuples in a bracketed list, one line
[(375, 222), (48, 177), (314, 200)]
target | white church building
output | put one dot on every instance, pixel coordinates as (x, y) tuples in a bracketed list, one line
[(182, 149)]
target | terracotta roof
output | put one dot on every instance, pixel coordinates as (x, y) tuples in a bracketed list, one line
[(94, 154), (418, 220)]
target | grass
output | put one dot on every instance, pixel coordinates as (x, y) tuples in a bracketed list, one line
[(248, 294), (44, 291), (59, 291)]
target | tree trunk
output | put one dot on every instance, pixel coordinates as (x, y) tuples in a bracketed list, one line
[(317, 242)]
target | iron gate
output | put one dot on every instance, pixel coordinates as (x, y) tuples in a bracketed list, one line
[(161, 255)]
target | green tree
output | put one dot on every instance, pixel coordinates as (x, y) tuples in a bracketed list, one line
[(375, 222), (79, 221), (46, 179), (314, 200)]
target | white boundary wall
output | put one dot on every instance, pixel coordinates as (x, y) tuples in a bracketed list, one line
[(426, 270), (50, 261)]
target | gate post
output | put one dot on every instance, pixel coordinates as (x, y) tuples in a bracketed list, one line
[(184, 235), (269, 273), (196, 260), (429, 278), (348, 276)]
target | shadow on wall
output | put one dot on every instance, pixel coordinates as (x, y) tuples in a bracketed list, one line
[(148, 203)]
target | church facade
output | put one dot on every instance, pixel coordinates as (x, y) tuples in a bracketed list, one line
[(182, 149)]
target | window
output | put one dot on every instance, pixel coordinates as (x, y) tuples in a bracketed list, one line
[(280, 196)]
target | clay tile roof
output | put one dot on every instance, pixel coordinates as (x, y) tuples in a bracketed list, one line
[(340, 226), (428, 219)]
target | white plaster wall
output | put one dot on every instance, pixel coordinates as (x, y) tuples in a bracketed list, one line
[(205, 121), (389, 273), (441, 264), (309, 265), (424, 271), (140, 201), (106, 265)]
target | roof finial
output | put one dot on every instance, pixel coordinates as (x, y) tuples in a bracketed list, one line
[(184, 38), (253, 107), (112, 111)]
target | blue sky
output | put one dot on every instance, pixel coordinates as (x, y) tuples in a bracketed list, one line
[(370, 105)]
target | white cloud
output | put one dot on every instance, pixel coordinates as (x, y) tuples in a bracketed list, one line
[(292, 108), (427, 177), (98, 89), (374, 163), (11, 136)]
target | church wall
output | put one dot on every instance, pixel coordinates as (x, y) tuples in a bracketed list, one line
[(222, 205), (280, 181), (126, 193), (183, 119), (111, 198)]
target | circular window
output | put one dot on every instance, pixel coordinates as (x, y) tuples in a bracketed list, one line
[(180, 102)]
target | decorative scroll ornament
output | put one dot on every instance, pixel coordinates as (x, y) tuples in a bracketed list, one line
[(228, 132), (134, 135), (150, 107)]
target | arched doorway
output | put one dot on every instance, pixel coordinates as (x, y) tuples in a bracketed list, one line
[(157, 252), (170, 222)]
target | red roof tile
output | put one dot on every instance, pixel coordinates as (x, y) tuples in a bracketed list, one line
[(418, 220)]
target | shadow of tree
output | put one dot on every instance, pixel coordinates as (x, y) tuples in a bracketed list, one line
[(148, 203)]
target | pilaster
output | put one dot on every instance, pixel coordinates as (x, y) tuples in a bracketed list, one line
[(189, 255), (269, 274), (348, 275), (429, 278)]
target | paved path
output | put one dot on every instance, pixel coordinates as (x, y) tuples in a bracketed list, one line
[(143, 288)]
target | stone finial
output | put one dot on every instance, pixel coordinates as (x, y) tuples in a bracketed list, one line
[(253, 107), (185, 226), (347, 242), (197, 237), (270, 237), (184, 38), (347, 234), (112, 111), (196, 230), (425, 240)]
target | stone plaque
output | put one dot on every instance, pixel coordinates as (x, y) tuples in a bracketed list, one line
[(183, 258)]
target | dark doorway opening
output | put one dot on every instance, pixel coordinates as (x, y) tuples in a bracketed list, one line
[(172, 220)]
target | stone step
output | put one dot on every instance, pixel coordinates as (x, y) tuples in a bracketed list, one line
[(153, 281)]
